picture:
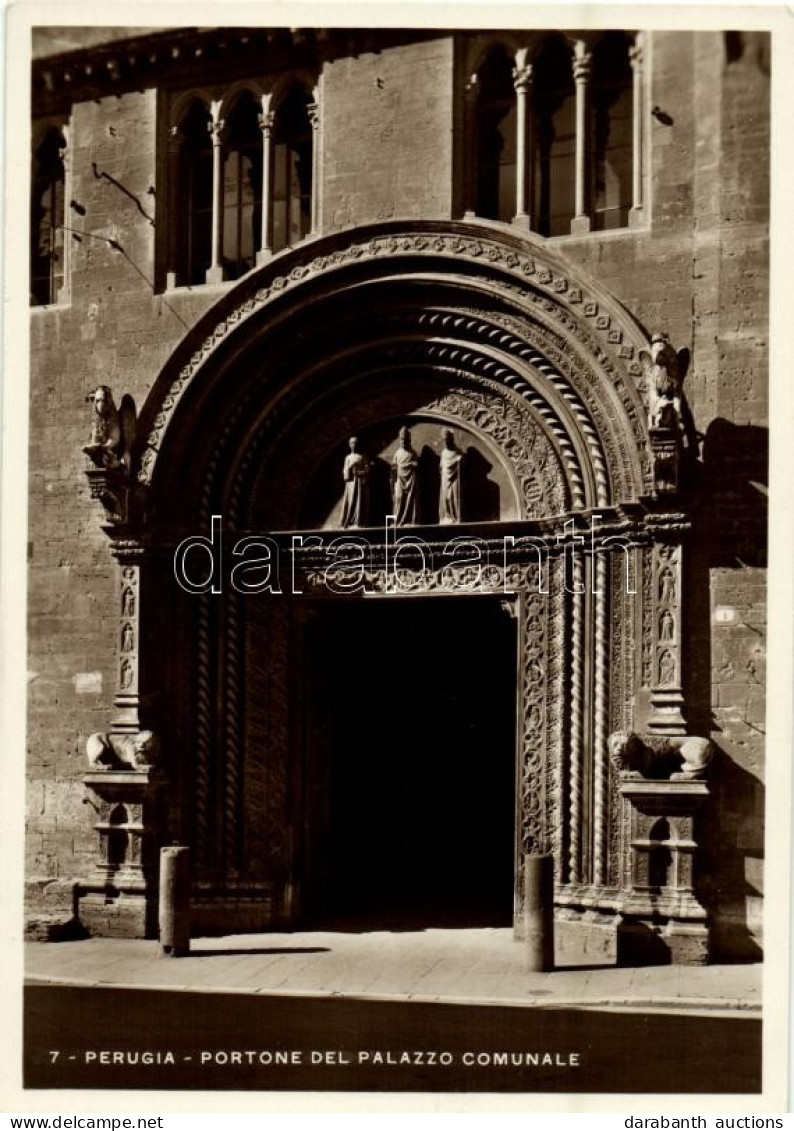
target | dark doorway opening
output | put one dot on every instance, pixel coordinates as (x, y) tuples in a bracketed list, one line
[(409, 775)]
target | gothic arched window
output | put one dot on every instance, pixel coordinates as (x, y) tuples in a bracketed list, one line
[(554, 102), (192, 198), (495, 141), (612, 99), (242, 187), (554, 131), (47, 217), (292, 170)]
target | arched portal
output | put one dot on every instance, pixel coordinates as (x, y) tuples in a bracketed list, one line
[(552, 560)]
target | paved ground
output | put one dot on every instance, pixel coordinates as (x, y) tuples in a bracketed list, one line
[(483, 967)]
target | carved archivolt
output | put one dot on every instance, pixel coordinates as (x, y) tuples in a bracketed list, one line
[(593, 325)]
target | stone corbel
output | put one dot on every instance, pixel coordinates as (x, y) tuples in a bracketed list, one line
[(111, 486)]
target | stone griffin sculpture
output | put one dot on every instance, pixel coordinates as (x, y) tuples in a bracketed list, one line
[(663, 372), (112, 430), (670, 422), (110, 452)]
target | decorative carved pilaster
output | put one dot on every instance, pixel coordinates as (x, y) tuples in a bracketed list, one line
[(577, 720), (667, 698), (582, 62), (215, 127), (522, 83), (266, 122), (533, 723), (125, 781)]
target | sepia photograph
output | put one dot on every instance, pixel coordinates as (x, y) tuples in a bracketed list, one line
[(397, 485)]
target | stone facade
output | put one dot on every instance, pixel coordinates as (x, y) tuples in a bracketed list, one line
[(391, 146)]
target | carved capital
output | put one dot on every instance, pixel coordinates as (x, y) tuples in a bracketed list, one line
[(637, 53), (215, 127), (522, 78), (266, 121), (582, 65), (313, 110)]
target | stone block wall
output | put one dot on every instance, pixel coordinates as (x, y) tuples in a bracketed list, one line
[(387, 131), (696, 269)]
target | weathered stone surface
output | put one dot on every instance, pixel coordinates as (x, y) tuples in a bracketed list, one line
[(697, 269)]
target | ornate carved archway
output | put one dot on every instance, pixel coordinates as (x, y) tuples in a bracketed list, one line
[(487, 331)]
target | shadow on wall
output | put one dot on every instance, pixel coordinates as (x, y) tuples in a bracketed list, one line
[(733, 503), (730, 534), (730, 861)]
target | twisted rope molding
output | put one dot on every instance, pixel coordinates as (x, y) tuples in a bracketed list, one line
[(204, 693), (600, 720), (232, 742), (577, 729)]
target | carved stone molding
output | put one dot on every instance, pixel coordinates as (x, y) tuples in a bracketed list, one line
[(618, 338)]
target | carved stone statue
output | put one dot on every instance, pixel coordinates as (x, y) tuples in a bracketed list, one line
[(667, 586), (651, 756), (122, 751), (404, 466), (666, 627), (449, 494), (105, 429), (112, 430), (356, 470), (666, 668), (664, 376)]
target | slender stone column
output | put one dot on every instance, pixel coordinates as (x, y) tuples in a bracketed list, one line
[(65, 156), (175, 141), (636, 55), (215, 272), (522, 82), (266, 122), (581, 75), (470, 94), (314, 118)]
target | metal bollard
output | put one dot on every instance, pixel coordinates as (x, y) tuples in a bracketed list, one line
[(539, 911), (174, 906)]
